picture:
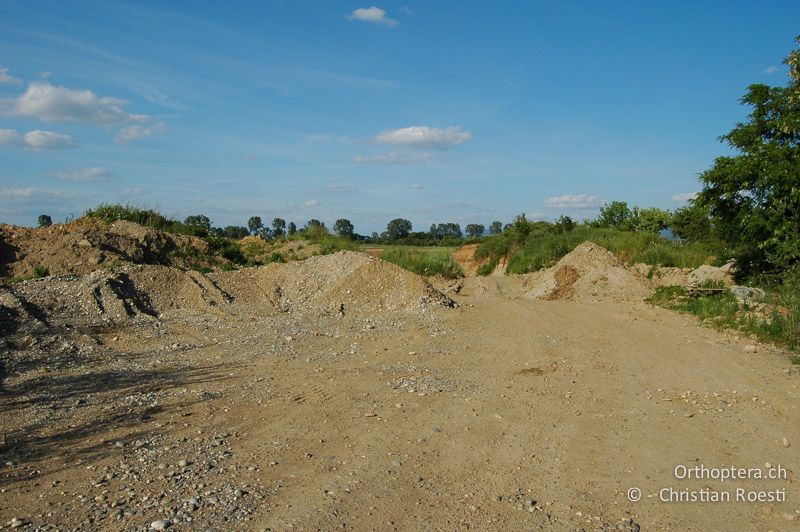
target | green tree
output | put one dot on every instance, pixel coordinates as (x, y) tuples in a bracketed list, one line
[(615, 215), (292, 229), (398, 228), (474, 230), (44, 220), (199, 224), (254, 224), (278, 227), (754, 196), (496, 227), (198, 220), (344, 228), (652, 220), (564, 224), (235, 231), (691, 222)]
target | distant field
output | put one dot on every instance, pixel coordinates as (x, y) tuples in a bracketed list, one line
[(379, 249), (424, 260)]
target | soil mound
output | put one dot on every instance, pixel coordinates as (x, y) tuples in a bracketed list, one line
[(671, 276), (348, 282), (344, 283), (589, 273), (87, 244)]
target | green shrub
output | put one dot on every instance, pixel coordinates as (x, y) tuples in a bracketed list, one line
[(41, 271)]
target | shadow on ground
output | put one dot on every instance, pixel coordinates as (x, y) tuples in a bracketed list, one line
[(70, 427)]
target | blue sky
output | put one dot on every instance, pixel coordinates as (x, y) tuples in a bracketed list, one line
[(463, 111)]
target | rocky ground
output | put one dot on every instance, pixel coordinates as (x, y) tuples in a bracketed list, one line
[(345, 393)]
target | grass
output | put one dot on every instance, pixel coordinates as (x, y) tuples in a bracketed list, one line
[(424, 261), (777, 322), (542, 249)]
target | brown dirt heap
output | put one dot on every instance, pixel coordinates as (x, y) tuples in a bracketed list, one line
[(346, 282), (589, 273), (88, 244)]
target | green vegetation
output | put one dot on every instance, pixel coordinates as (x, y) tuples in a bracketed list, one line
[(776, 319), (753, 197), (431, 261), (541, 244), (44, 220), (38, 272)]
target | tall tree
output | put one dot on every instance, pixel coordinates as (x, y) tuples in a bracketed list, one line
[(474, 230), (344, 228), (398, 228), (754, 196), (254, 224), (496, 227), (278, 227), (292, 229), (44, 220)]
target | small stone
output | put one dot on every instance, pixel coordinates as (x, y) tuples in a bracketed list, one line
[(183, 463), (119, 444), (789, 516), (370, 414), (786, 443), (750, 348), (688, 414), (161, 524), (16, 522)]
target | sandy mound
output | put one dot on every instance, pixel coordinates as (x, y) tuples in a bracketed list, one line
[(589, 273), (347, 282), (670, 276), (465, 257), (710, 274), (355, 282), (88, 244)]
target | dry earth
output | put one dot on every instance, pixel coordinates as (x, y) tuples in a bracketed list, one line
[(343, 392)]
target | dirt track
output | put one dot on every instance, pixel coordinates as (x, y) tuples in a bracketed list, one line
[(524, 415)]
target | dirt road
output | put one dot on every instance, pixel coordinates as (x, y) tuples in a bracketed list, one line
[(506, 413)]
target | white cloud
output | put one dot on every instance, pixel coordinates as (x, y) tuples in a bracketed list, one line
[(136, 132), (686, 196), (570, 201), (373, 14), (8, 79), (424, 137), (92, 173), (770, 70), (37, 140), (29, 193), (395, 157), (416, 186), (311, 203), (49, 103), (407, 11)]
